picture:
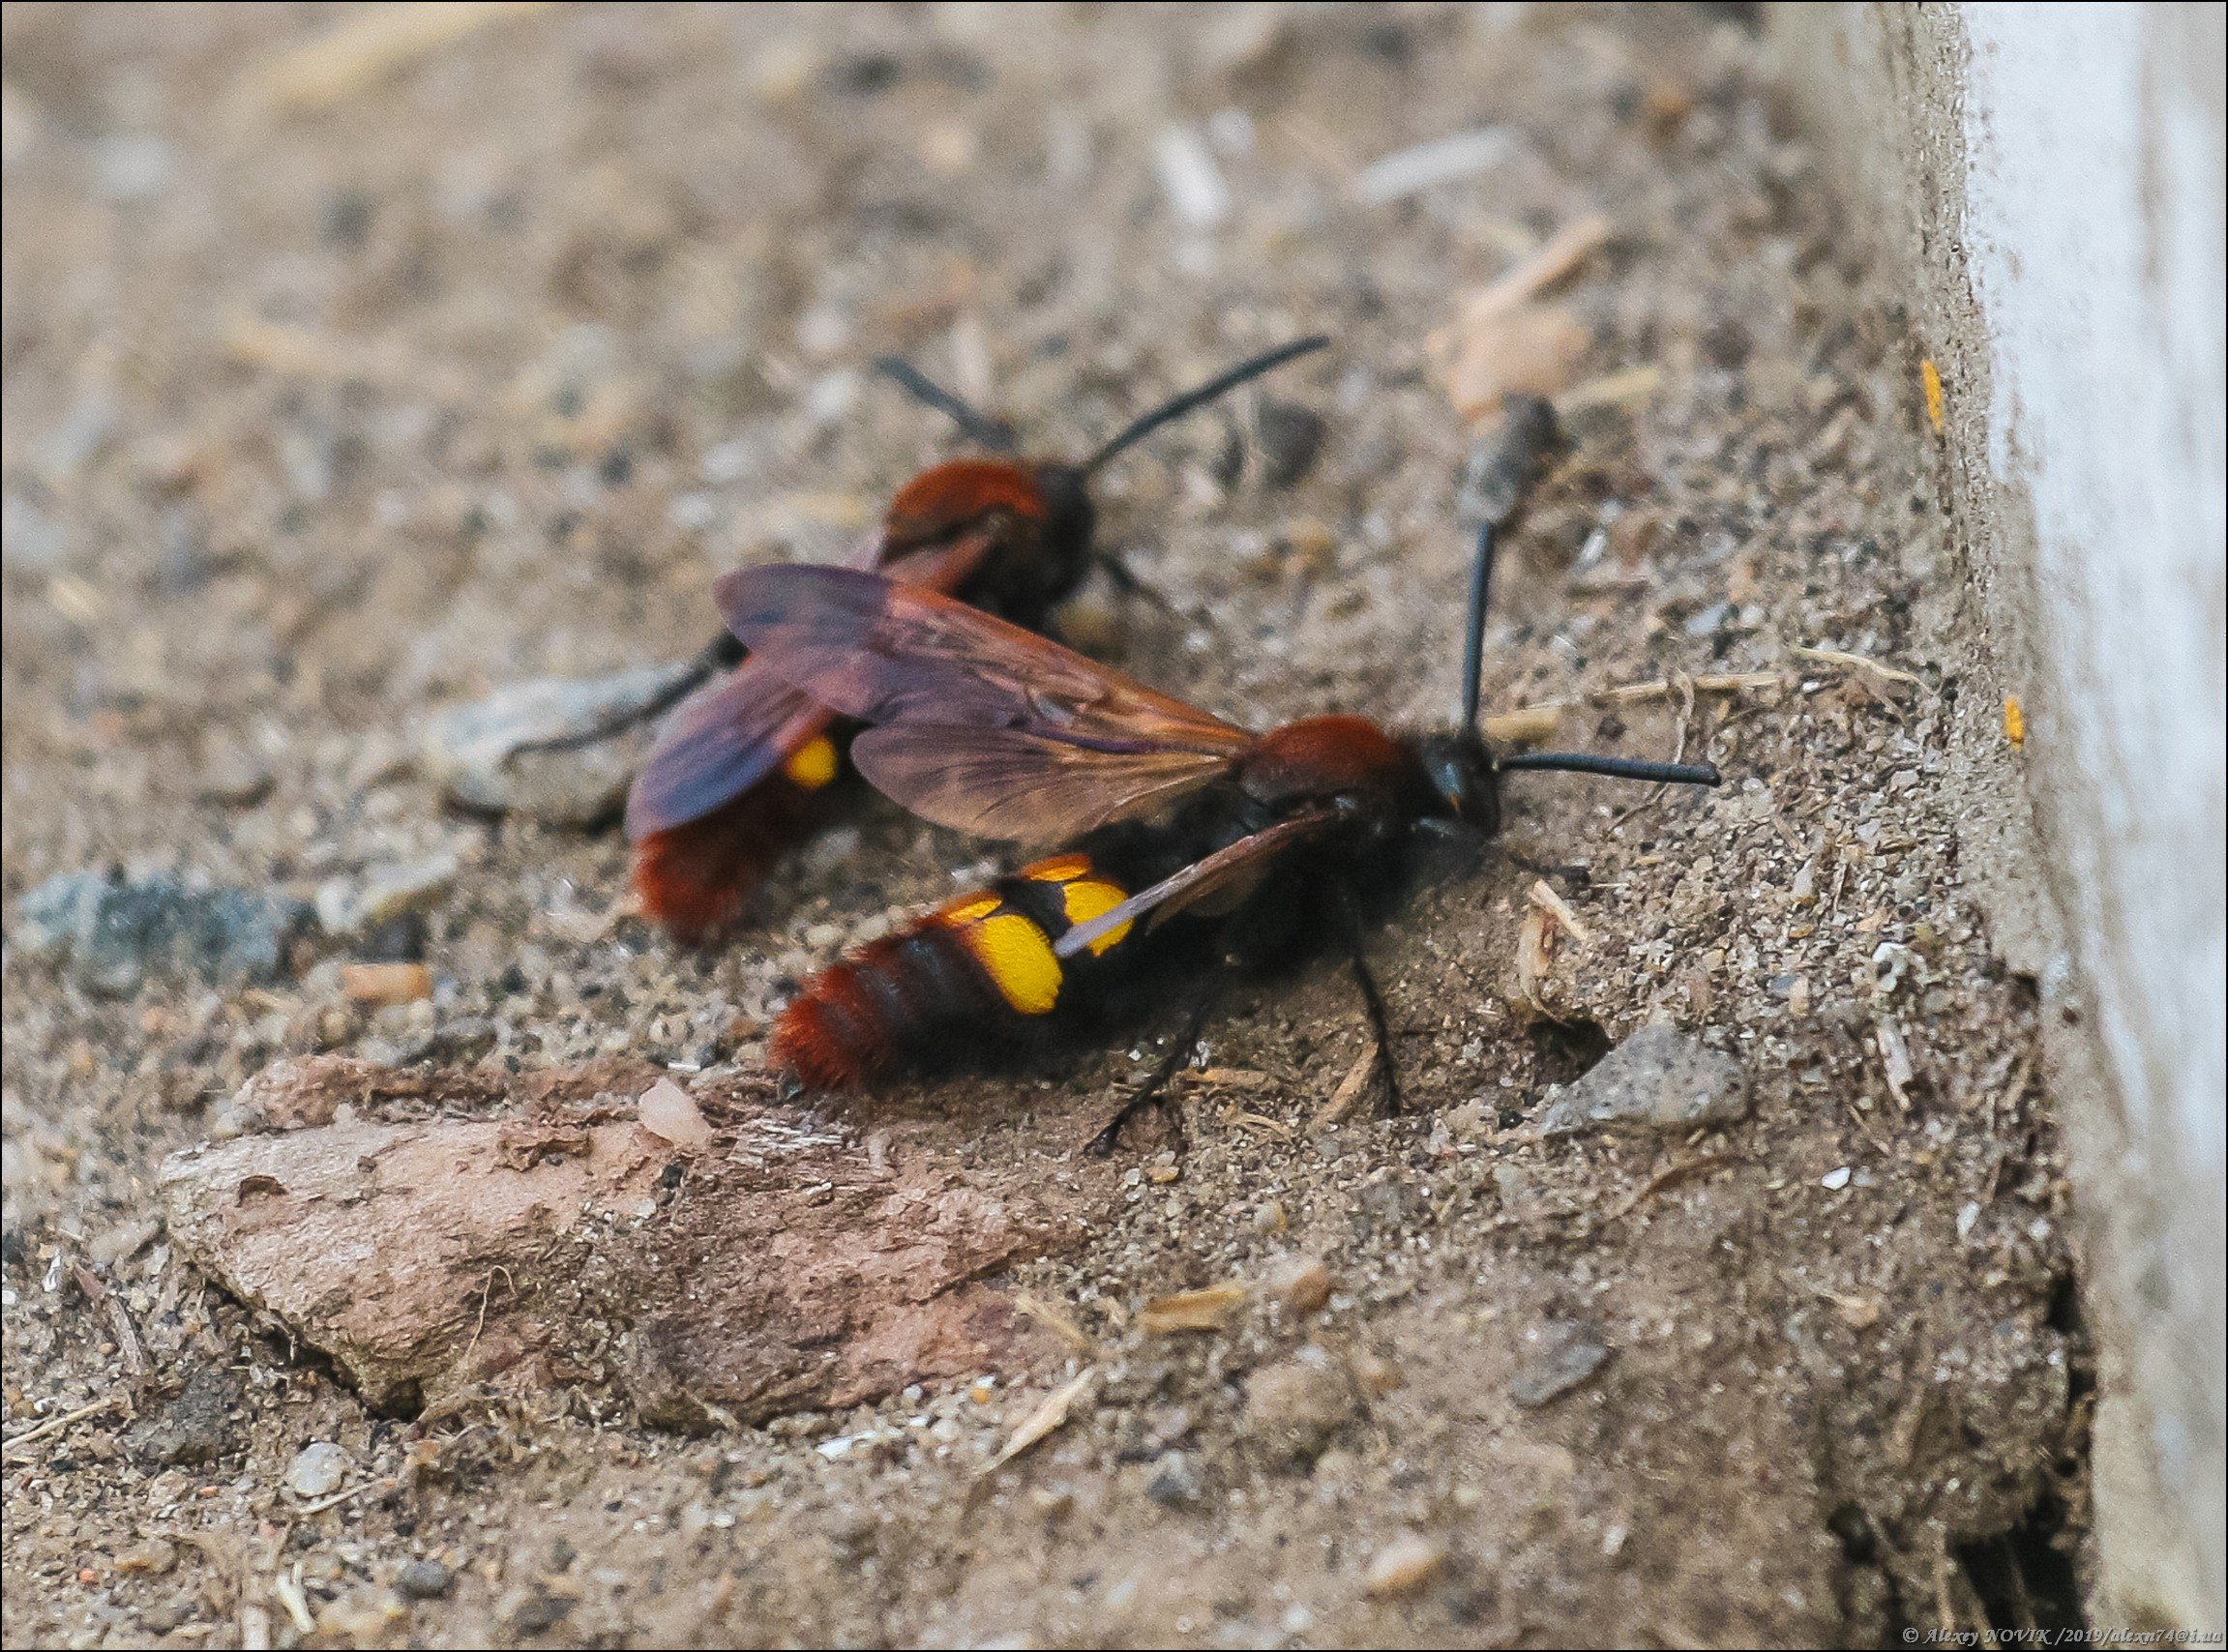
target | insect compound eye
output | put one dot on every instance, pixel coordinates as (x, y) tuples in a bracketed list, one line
[(1462, 773), (1442, 763)]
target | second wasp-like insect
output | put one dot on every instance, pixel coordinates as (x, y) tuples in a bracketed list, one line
[(1190, 835), (747, 765)]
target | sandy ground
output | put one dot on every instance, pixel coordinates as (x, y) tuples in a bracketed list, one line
[(336, 402)]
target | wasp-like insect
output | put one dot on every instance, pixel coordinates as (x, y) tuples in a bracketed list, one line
[(747, 765), (1189, 834)]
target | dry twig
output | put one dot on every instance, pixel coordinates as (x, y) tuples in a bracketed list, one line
[(55, 1425), (1348, 1091)]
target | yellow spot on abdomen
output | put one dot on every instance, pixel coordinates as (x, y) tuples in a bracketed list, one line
[(968, 907), (2014, 721), (1930, 379), (1018, 961), (1088, 897), (1059, 870), (813, 764)]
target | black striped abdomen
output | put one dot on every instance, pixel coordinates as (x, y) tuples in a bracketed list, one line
[(980, 968)]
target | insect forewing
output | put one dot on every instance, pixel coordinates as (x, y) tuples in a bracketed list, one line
[(1020, 784), (719, 743), (893, 653)]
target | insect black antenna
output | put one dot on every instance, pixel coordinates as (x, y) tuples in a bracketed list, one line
[(994, 434), (1220, 385), (1500, 473), (1473, 641), (1615, 767)]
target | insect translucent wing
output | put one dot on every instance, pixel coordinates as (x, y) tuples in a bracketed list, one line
[(719, 743), (886, 653), (1019, 783), (728, 735), (1197, 881)]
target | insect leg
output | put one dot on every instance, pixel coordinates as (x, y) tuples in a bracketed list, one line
[(1380, 1026), (1129, 582), (1577, 875), (1153, 1092), (724, 653)]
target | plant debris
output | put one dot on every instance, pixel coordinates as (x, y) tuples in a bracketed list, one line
[(1206, 1310)]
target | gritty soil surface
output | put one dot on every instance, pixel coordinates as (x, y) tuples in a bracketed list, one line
[(336, 401)]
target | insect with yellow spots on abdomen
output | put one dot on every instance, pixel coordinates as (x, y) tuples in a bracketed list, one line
[(1194, 833), (979, 969)]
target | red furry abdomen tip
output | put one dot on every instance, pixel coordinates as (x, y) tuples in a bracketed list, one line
[(807, 1048), (698, 879)]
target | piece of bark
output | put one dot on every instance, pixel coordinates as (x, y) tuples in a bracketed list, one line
[(434, 1259)]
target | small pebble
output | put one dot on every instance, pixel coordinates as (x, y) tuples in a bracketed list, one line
[(150, 1558), (1708, 620), (385, 894), (1290, 436), (1176, 1482), (1566, 1353), (1299, 1282), (1376, 1374), (424, 1581), (318, 1470), (473, 751), (131, 166), (232, 775), (1835, 1180), (1502, 467), (1293, 1408), (381, 984), (1656, 1079), (539, 1611), (195, 1427), (1406, 1564), (1193, 183), (669, 1112)]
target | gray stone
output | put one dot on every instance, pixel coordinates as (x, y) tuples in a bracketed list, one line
[(318, 1470), (1290, 436), (195, 1428), (1709, 620), (385, 893), (1388, 1206), (1566, 1353), (539, 1611), (29, 541), (1293, 1408), (233, 774), (1176, 1480), (475, 752), (113, 935), (1656, 1079), (424, 1581)]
